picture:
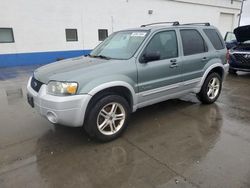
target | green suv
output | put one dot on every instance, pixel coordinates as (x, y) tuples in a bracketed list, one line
[(131, 69)]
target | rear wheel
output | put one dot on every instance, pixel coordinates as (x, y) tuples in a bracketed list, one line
[(211, 89), (108, 118)]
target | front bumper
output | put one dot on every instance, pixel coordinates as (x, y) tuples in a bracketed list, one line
[(239, 69), (65, 110), (240, 61)]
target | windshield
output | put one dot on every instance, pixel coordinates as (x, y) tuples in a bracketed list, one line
[(120, 45)]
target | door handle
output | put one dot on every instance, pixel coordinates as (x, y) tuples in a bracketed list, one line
[(173, 65)]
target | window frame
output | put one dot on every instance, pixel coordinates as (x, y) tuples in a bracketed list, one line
[(12, 34), (75, 29), (204, 41), (150, 39), (107, 32)]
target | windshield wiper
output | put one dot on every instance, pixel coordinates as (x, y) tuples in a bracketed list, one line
[(100, 56)]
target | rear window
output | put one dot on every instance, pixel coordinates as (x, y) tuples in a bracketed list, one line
[(214, 38), (192, 42)]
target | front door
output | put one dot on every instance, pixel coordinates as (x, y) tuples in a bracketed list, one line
[(161, 77)]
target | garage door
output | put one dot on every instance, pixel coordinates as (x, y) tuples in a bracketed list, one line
[(226, 23)]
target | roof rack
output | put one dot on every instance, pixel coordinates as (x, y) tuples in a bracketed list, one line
[(206, 24), (173, 23)]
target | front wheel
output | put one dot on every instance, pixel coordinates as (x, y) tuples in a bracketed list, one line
[(211, 89), (108, 118)]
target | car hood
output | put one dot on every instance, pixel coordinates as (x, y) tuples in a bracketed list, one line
[(72, 69), (242, 33)]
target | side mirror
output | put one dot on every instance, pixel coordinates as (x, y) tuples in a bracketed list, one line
[(151, 56)]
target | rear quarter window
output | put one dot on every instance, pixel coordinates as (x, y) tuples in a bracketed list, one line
[(214, 38)]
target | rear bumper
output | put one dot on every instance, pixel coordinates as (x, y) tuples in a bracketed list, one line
[(226, 68), (65, 110)]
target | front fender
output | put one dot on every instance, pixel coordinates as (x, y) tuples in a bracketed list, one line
[(99, 84)]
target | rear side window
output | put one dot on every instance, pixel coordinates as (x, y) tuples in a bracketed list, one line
[(192, 42), (214, 38)]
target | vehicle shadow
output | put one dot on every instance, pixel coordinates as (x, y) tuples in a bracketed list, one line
[(60, 134), (176, 132)]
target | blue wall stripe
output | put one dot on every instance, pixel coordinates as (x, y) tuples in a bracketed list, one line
[(10, 60)]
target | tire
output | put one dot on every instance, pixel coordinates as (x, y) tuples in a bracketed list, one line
[(211, 89), (232, 71), (107, 118)]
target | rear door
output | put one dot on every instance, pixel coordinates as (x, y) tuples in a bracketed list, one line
[(195, 57)]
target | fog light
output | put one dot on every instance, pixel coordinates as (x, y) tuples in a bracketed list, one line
[(51, 116)]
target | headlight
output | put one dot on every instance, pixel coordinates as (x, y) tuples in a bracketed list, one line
[(62, 88)]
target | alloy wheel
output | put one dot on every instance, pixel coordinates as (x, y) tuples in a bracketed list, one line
[(111, 118), (213, 88)]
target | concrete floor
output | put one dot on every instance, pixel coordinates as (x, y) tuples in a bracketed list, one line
[(178, 143)]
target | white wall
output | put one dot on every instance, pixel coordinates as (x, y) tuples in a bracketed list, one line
[(39, 25)]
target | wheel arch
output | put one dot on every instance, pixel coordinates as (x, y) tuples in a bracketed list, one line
[(217, 67), (218, 70), (118, 87), (115, 86)]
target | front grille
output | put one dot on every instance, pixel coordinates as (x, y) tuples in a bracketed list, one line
[(35, 84), (243, 58)]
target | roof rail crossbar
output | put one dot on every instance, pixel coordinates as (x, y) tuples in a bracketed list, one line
[(206, 24), (173, 23)]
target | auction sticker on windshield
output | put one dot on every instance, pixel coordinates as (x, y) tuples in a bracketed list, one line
[(138, 34)]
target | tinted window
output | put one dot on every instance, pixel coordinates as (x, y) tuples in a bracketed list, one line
[(192, 42), (165, 43), (71, 35), (6, 35), (102, 34), (214, 38)]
